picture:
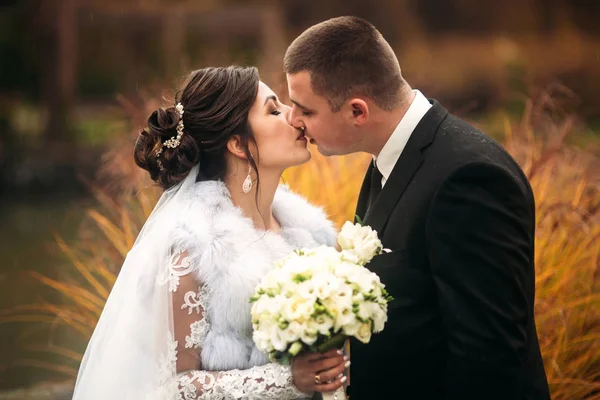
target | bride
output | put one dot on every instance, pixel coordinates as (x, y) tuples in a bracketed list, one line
[(177, 323)]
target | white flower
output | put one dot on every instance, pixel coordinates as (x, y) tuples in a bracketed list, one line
[(364, 333), (379, 318), (321, 323), (348, 234), (320, 291), (307, 290), (360, 240), (292, 332), (278, 340), (323, 284), (309, 335), (297, 308), (351, 328), (344, 318)]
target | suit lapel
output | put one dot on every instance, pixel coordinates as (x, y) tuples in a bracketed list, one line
[(406, 167), (363, 197)]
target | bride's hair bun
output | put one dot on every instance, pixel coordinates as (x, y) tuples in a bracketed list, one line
[(216, 103), (176, 162)]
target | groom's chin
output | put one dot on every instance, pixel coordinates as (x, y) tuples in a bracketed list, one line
[(325, 152)]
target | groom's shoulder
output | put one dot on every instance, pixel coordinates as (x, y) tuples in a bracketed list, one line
[(461, 140), (456, 129), (459, 143)]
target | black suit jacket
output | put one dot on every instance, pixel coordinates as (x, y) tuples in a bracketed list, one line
[(458, 214)]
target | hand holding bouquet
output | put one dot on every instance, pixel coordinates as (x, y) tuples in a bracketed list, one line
[(313, 300)]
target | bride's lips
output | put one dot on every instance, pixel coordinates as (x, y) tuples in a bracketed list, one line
[(301, 136)]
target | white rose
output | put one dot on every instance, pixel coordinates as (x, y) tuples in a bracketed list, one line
[(292, 332), (367, 249), (364, 310), (351, 329), (309, 335), (364, 333), (349, 257), (265, 305), (362, 240), (345, 270), (297, 267), (321, 323), (278, 340), (379, 318), (297, 308), (344, 318), (306, 290), (366, 281), (272, 279), (322, 283), (358, 298), (337, 305), (348, 234), (324, 259)]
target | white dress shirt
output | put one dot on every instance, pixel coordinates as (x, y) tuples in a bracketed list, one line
[(389, 155)]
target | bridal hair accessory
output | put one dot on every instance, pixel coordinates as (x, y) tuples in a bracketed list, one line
[(247, 186), (175, 140)]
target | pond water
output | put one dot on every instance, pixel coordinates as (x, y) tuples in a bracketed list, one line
[(27, 243)]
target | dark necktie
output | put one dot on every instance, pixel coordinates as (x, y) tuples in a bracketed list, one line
[(375, 185)]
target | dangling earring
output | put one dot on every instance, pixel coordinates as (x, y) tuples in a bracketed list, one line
[(247, 186)]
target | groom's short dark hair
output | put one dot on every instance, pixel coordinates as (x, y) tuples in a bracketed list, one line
[(347, 56)]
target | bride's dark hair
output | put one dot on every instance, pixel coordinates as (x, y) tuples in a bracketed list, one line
[(216, 103)]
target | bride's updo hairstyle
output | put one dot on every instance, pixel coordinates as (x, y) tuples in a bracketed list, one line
[(215, 104)]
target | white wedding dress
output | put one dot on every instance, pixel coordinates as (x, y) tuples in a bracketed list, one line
[(177, 323)]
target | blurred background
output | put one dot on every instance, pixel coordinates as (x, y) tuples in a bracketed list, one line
[(78, 79)]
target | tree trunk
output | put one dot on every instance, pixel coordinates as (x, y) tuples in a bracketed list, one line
[(62, 65)]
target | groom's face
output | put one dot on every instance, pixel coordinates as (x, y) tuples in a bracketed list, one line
[(326, 129)]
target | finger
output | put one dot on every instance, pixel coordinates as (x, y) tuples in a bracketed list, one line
[(330, 387), (327, 363), (333, 373), (333, 353), (316, 356)]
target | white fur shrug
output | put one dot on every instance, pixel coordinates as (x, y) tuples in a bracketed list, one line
[(230, 256)]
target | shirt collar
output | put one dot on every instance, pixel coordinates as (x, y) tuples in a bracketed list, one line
[(389, 155)]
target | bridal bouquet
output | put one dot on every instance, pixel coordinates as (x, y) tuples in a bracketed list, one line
[(313, 300)]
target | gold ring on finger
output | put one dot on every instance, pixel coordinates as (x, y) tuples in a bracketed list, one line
[(317, 379)]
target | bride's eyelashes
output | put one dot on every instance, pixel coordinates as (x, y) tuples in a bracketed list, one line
[(275, 112)]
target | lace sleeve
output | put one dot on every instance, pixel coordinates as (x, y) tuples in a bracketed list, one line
[(191, 325)]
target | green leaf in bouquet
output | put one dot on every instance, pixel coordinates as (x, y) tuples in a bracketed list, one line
[(358, 220), (281, 357), (299, 278), (386, 295), (334, 342)]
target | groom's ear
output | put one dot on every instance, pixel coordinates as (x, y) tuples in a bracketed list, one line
[(359, 111)]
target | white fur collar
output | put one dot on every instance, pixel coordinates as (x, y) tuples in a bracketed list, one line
[(230, 256)]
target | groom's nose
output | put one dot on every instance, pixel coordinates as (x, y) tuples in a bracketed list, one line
[(288, 114), (294, 119)]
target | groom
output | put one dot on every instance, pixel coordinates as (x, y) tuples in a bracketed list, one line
[(452, 205)]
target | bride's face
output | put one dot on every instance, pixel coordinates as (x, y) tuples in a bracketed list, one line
[(280, 145)]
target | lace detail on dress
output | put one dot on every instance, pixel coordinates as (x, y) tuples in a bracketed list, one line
[(179, 265), (199, 329), (270, 381), (166, 370), (195, 300)]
